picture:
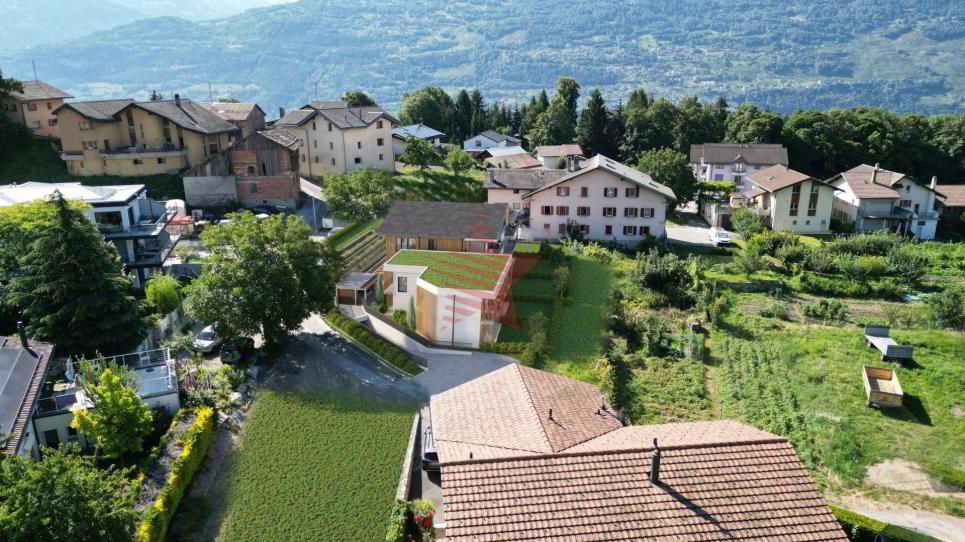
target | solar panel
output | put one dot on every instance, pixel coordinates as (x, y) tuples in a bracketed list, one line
[(17, 367)]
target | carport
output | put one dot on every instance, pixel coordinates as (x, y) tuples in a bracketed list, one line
[(355, 289)]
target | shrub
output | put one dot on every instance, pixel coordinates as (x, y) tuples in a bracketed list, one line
[(525, 248), (195, 442), (561, 280), (776, 309), (401, 318), (390, 353), (509, 348), (826, 310), (947, 309), (538, 343), (665, 273), (411, 520), (819, 261), (746, 223), (865, 244), (163, 292), (771, 242), (692, 345), (791, 254), (862, 267), (749, 260), (908, 263), (861, 528)]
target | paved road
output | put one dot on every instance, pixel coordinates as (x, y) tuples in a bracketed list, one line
[(447, 371), (695, 232)]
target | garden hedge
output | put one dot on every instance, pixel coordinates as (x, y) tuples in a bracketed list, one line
[(390, 353), (861, 528), (195, 443), (511, 348)]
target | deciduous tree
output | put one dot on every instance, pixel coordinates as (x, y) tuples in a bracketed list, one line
[(357, 98), (671, 169), (119, 419), (430, 106), (748, 124), (363, 194), (458, 161), (163, 292), (418, 152)]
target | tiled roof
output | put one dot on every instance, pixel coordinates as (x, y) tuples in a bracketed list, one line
[(445, 219), (625, 172), (779, 177), (506, 413), (23, 371), (867, 182), (281, 136), (99, 110), (39, 90), (231, 111), (502, 151), (718, 481), (418, 131), (295, 118), (498, 137), (569, 149), (338, 113), (188, 115), (516, 161), (954, 194), (524, 179), (728, 153)]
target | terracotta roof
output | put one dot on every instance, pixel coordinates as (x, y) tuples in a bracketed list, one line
[(568, 149), (38, 90), (98, 110), (231, 111), (524, 179), (515, 161), (718, 481), (728, 153), (867, 182), (281, 136), (506, 413), (445, 219), (954, 194), (625, 172)]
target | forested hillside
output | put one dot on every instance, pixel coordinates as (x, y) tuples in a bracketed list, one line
[(904, 55)]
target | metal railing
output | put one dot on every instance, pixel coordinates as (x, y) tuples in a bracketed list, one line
[(167, 147)]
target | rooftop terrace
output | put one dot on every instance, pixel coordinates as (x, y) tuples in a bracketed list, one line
[(465, 270)]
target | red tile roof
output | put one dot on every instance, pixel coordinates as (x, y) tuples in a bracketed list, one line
[(567, 149), (718, 481), (954, 194)]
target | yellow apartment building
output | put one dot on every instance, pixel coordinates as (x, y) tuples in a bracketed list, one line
[(35, 107)]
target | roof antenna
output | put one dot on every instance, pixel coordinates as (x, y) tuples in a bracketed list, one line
[(655, 464), (34, 64)]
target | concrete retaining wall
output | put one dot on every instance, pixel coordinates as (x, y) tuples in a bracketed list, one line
[(405, 479), (213, 191), (404, 341)]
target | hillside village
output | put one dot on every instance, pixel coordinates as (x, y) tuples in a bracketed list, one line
[(468, 321)]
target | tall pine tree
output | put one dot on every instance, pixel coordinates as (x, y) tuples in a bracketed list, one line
[(591, 129), (72, 291)]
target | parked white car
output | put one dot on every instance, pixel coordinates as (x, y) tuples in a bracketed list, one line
[(206, 340), (719, 237)]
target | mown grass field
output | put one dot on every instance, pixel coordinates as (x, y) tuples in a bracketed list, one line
[(440, 185), (316, 468)]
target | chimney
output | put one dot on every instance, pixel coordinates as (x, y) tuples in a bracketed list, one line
[(24, 343), (281, 112), (177, 99), (551, 414), (655, 465), (874, 174), (934, 182)]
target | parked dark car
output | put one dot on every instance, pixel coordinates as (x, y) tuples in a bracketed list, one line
[(430, 456), (237, 350)]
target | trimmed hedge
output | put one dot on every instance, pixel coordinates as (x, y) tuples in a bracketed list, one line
[(510, 348), (390, 353), (195, 443), (861, 528)]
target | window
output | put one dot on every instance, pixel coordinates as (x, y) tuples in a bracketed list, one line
[(610, 192), (582, 211), (379, 126), (904, 203), (31, 106), (515, 206), (85, 125), (162, 160), (813, 200), (584, 191), (609, 211), (315, 143), (632, 191), (35, 124), (562, 191), (138, 162), (478, 143), (823, 222), (630, 212), (212, 147), (795, 200), (516, 191), (51, 122), (807, 222), (584, 229), (380, 141), (608, 230), (644, 230), (403, 285), (629, 230), (546, 226), (251, 170), (405, 242), (908, 188), (89, 145), (718, 176), (646, 212), (432, 244), (562, 210), (253, 188), (738, 179), (303, 158), (313, 126), (546, 210), (358, 160), (330, 127), (331, 146), (794, 222), (921, 222), (381, 157), (49, 106), (561, 228), (333, 160), (358, 144)]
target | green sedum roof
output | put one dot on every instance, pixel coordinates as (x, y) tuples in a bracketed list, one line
[(464, 270)]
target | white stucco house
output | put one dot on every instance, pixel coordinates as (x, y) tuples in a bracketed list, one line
[(874, 199), (789, 200), (607, 200), (734, 161), (489, 139), (402, 134), (559, 156)]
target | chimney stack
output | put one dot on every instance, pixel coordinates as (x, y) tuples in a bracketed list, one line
[(177, 99), (551, 414), (655, 464), (934, 182), (22, 331), (281, 112)]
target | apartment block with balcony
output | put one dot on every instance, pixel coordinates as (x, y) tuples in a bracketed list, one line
[(338, 139), (734, 161), (34, 107), (129, 138), (874, 199), (136, 224)]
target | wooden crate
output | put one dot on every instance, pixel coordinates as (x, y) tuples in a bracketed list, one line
[(881, 387)]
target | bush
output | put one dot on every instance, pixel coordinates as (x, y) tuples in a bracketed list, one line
[(390, 353), (907, 263), (819, 261), (195, 442), (791, 254), (771, 242), (776, 309), (746, 223), (949, 476), (749, 260), (665, 273), (525, 248), (865, 244), (163, 292), (692, 345), (862, 267), (947, 309), (401, 318), (887, 288), (861, 528), (826, 310)]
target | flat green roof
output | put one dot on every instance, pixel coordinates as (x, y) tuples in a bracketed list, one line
[(467, 270)]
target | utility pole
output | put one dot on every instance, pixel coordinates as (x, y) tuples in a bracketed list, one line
[(210, 95), (34, 63)]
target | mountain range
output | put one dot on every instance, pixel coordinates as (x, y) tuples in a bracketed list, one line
[(905, 55)]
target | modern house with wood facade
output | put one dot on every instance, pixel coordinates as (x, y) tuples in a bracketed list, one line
[(446, 226)]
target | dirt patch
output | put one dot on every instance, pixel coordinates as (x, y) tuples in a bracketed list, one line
[(940, 526), (958, 411), (902, 475)]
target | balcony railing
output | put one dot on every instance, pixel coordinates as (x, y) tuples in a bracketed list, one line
[(167, 147), (147, 227)]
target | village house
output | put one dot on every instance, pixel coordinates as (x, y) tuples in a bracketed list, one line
[(953, 204), (259, 170), (247, 117), (402, 134), (734, 161), (338, 139), (789, 200), (23, 368), (873, 199), (134, 223), (489, 139), (443, 225), (511, 184), (514, 444), (559, 156), (129, 138), (34, 107), (454, 298), (518, 160), (604, 199)]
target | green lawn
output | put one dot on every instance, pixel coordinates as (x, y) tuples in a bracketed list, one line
[(344, 237), (315, 468), (40, 162), (440, 185), (669, 390), (456, 270)]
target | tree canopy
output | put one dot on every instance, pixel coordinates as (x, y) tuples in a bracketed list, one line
[(119, 419), (430, 106), (458, 161), (357, 98), (672, 169), (262, 276), (363, 194), (418, 152), (591, 130)]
